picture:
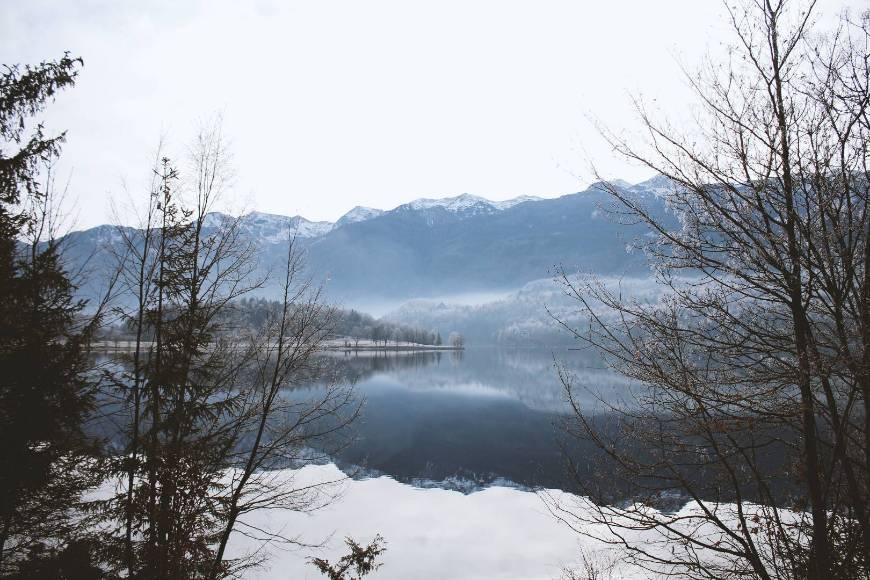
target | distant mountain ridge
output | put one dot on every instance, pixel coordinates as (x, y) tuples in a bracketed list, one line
[(273, 228), (434, 247)]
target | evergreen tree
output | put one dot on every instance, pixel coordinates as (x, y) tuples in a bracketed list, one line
[(185, 388), (360, 561), (203, 396), (45, 457)]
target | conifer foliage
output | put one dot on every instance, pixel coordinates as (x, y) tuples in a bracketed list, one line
[(200, 411), (45, 397), (204, 403)]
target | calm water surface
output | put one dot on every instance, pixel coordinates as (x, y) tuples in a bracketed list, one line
[(460, 419), (472, 417)]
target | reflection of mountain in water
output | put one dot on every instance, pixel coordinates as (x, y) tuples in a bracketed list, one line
[(468, 419), (527, 376), (476, 416)]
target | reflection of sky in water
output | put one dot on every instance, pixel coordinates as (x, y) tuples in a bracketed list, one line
[(526, 376), (479, 415), (381, 383)]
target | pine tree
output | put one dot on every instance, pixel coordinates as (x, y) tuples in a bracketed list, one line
[(45, 457), (208, 416)]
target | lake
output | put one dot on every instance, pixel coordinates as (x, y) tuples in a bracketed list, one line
[(468, 419)]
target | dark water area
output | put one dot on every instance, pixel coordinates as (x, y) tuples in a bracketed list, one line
[(460, 419), (469, 418)]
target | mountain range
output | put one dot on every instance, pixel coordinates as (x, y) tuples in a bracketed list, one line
[(431, 247)]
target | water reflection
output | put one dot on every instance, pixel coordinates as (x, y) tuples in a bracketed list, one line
[(468, 419), (524, 375), (476, 416)]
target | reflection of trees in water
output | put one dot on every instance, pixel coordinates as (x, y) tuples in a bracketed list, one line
[(428, 428), (525, 375), (594, 474), (423, 431), (356, 366)]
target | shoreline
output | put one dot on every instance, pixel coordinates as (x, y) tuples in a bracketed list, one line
[(129, 345)]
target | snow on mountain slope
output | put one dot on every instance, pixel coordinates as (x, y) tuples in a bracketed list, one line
[(509, 203), (304, 228), (461, 203), (465, 204), (270, 228), (659, 186), (273, 228), (358, 214)]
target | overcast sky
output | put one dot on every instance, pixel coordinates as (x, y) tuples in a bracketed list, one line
[(332, 104)]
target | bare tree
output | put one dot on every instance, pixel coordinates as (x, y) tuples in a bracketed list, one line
[(754, 363), (137, 263), (205, 407), (281, 428), (183, 273)]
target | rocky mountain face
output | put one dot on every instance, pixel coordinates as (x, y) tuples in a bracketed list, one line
[(429, 247)]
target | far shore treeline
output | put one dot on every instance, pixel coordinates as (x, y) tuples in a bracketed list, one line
[(348, 327)]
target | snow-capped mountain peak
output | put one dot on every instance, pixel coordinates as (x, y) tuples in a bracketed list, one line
[(303, 228), (508, 203), (458, 203), (358, 214), (269, 228), (658, 186), (273, 228), (214, 219), (466, 204)]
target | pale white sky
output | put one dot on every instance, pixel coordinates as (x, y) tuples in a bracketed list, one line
[(332, 104)]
